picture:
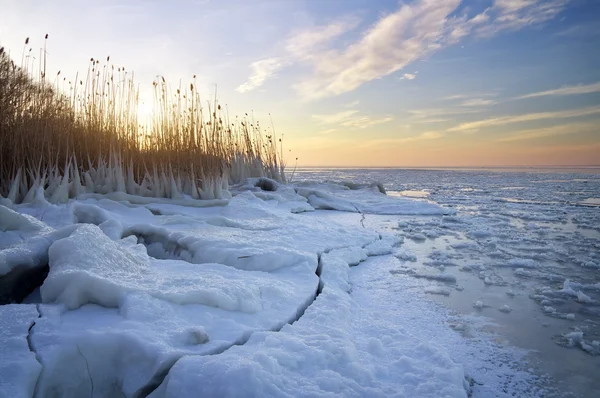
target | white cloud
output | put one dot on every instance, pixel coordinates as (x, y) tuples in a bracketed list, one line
[(574, 128), (414, 31), (477, 102), (306, 43), (437, 112), (388, 46), (567, 90), (262, 70), (335, 118), (350, 118), (466, 96), (498, 121), (328, 131), (427, 136), (517, 14), (362, 122), (408, 76)]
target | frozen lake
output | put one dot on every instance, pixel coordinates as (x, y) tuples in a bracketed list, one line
[(523, 251)]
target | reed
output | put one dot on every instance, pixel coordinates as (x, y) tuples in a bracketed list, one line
[(60, 138)]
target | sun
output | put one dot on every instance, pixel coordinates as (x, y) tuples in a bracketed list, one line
[(145, 109)]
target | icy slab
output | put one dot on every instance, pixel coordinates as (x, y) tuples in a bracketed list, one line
[(19, 369), (122, 351), (90, 268), (249, 234), (24, 257), (335, 349), (270, 190), (327, 352), (369, 200)]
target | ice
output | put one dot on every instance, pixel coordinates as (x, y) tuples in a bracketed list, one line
[(584, 298), (444, 277), (479, 304), (521, 263), (327, 352), (90, 268), (24, 262), (505, 308), (405, 255), (368, 200), (255, 294), (19, 368), (11, 220), (437, 290), (575, 339), (383, 246)]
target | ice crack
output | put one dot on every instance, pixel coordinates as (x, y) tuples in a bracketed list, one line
[(33, 350)]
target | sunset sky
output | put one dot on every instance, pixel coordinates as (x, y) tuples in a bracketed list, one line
[(358, 82)]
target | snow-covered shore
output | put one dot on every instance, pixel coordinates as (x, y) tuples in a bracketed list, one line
[(253, 296)]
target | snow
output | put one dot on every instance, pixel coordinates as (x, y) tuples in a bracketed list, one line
[(318, 355), (258, 294), (368, 200), (19, 368)]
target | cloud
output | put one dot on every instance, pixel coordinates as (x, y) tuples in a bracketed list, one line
[(409, 76), (350, 118), (498, 121), (335, 118), (352, 104), (441, 112), (328, 131), (511, 15), (430, 135), (306, 43), (412, 32), (573, 128), (262, 70), (363, 122), (477, 102), (567, 90), (388, 46), (469, 96)]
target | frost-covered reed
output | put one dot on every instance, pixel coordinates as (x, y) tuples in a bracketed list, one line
[(60, 138)]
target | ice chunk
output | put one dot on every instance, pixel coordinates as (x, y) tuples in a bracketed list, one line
[(437, 290), (521, 263), (24, 265), (444, 277), (382, 246), (10, 220), (350, 255), (405, 255), (88, 267), (368, 200), (584, 298)]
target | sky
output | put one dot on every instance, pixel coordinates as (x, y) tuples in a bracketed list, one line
[(379, 83)]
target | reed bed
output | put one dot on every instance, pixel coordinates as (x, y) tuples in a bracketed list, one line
[(60, 138)]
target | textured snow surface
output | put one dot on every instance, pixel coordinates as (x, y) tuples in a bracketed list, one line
[(19, 368), (258, 295), (524, 243), (337, 348)]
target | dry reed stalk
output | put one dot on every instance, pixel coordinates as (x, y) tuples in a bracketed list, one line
[(57, 143)]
